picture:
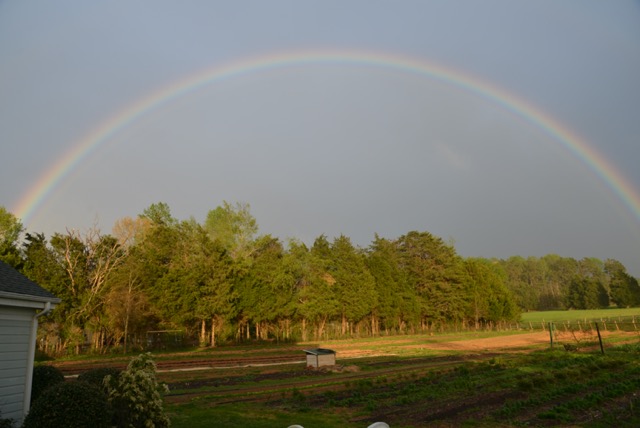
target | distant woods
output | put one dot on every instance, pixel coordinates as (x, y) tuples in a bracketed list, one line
[(221, 281)]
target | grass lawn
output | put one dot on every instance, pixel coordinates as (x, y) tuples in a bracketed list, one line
[(579, 315), (195, 415)]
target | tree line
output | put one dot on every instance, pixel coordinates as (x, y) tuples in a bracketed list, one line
[(221, 281)]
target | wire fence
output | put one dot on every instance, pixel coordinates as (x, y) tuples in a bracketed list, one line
[(577, 335), (630, 324)]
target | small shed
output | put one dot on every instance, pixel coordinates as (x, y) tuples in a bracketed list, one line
[(22, 302), (319, 357)]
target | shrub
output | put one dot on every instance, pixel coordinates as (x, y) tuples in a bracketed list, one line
[(44, 377), (96, 377), (136, 396), (70, 405), (6, 423)]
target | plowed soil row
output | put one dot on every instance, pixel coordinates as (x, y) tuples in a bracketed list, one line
[(219, 359), (277, 377), (75, 368), (234, 389)]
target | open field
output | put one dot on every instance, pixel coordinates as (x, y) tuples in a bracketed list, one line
[(587, 314), (463, 379)]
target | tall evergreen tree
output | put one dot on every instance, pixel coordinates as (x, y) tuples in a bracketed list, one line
[(316, 292), (265, 298), (586, 293), (397, 307), (354, 284), (437, 275)]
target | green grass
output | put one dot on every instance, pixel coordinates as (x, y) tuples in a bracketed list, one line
[(194, 415), (580, 315)]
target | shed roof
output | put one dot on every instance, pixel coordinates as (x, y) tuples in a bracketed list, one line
[(319, 351), (14, 283)]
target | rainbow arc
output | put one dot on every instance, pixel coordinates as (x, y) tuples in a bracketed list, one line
[(62, 169)]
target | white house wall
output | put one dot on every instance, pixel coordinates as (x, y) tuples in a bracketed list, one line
[(15, 326)]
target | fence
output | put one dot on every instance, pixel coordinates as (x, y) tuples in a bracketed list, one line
[(165, 339), (575, 335), (605, 324)]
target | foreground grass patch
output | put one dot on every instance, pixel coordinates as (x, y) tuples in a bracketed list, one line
[(195, 415)]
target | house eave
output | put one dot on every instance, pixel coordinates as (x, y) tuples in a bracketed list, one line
[(26, 300)]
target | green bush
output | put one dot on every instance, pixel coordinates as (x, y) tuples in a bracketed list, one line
[(70, 405), (96, 376), (5, 423), (44, 377), (136, 396)]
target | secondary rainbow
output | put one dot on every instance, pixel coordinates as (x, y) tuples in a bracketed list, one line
[(34, 199)]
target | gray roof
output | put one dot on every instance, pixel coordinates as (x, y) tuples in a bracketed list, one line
[(12, 281), (319, 351)]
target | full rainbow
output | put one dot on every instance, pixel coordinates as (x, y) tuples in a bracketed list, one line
[(29, 204)]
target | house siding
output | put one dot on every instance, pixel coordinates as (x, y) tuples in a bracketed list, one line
[(15, 325)]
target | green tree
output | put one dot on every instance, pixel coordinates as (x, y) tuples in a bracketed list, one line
[(303, 290), (150, 259), (10, 230), (43, 267), (159, 214), (127, 310), (586, 293), (559, 272), (188, 278), (591, 267), (354, 285), (234, 227), (315, 286), (490, 299), (437, 275), (397, 306), (624, 289), (218, 296), (267, 291), (519, 282), (88, 261)]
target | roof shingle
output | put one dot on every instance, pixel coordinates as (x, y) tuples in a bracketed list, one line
[(12, 281)]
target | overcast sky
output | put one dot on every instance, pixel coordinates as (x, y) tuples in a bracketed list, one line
[(332, 147)]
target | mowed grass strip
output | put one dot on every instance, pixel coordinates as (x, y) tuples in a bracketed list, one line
[(625, 314)]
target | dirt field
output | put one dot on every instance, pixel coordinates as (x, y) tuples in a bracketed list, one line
[(255, 356), (271, 376), (223, 358)]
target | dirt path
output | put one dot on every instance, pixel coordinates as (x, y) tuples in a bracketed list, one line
[(493, 343)]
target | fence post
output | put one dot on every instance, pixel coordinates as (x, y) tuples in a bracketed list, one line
[(551, 333), (600, 339)]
